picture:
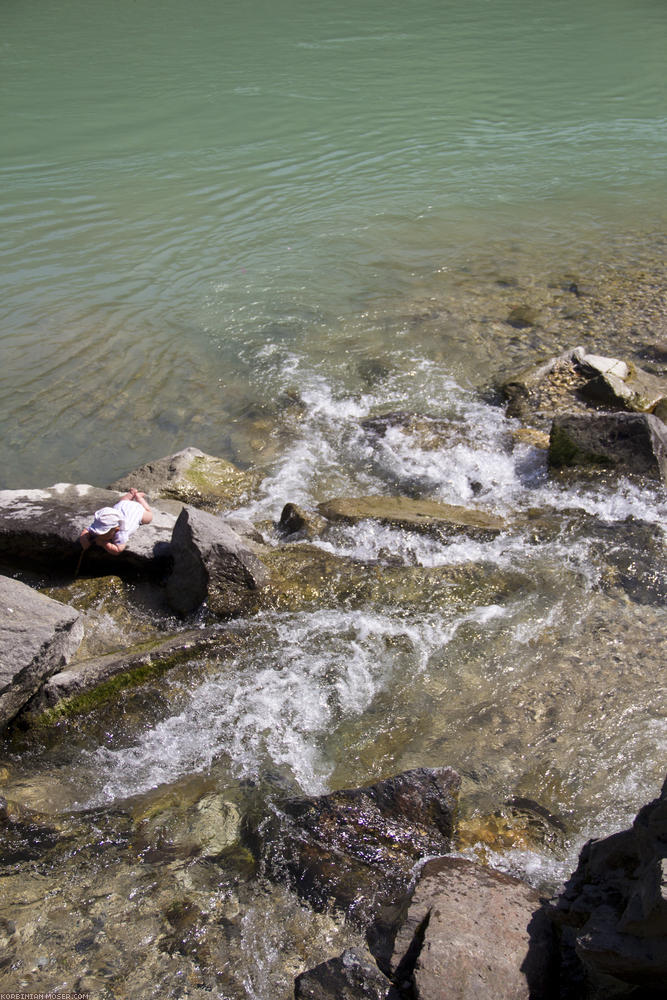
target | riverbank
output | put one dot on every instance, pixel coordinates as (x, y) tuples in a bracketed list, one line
[(381, 647)]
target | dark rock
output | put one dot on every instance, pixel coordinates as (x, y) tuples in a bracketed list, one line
[(37, 636), (612, 913), (426, 516), (358, 848), (351, 976), (212, 563), (298, 524), (625, 442), (482, 932), (39, 529)]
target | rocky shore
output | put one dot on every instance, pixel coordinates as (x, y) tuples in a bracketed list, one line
[(384, 855)]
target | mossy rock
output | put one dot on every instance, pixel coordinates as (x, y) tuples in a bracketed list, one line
[(193, 477)]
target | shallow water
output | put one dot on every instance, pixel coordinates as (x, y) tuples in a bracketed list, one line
[(249, 231)]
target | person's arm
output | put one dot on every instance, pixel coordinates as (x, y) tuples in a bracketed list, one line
[(84, 539)]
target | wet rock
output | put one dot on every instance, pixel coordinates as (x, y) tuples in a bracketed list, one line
[(357, 848), (627, 443), (612, 913), (192, 477), (523, 316), (616, 385), (39, 529), (426, 516), (481, 932), (429, 432), (90, 682), (214, 564), (299, 524), (37, 636), (535, 394), (351, 976)]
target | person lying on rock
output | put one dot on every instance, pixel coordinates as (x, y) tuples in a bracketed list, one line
[(112, 526)]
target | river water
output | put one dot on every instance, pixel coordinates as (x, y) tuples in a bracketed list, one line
[(247, 227)]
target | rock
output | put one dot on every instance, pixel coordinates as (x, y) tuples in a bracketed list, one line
[(426, 516), (628, 443), (537, 393), (214, 564), (523, 316), (90, 682), (299, 524), (352, 976), (612, 913), (481, 932), (39, 529), (37, 636), (192, 477), (358, 848), (429, 432), (617, 385)]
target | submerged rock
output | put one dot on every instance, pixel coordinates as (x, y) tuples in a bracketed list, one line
[(214, 564), (357, 848), (192, 477), (39, 529), (37, 636), (351, 976), (481, 932), (426, 516), (631, 443), (612, 913)]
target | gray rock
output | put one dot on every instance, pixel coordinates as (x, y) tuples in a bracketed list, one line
[(37, 636), (630, 443), (617, 385), (358, 848), (214, 564), (481, 932), (39, 529), (612, 913), (351, 976)]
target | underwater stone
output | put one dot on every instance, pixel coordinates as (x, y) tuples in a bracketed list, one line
[(351, 976)]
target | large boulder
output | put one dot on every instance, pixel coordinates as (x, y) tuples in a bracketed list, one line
[(612, 913), (427, 516), (192, 477), (212, 563), (483, 933), (39, 529), (358, 848), (37, 636), (627, 443)]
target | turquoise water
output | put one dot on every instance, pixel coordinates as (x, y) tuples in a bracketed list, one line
[(189, 186)]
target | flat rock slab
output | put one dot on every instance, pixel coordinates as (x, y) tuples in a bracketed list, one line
[(426, 516), (65, 688), (480, 932), (37, 636), (39, 529)]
